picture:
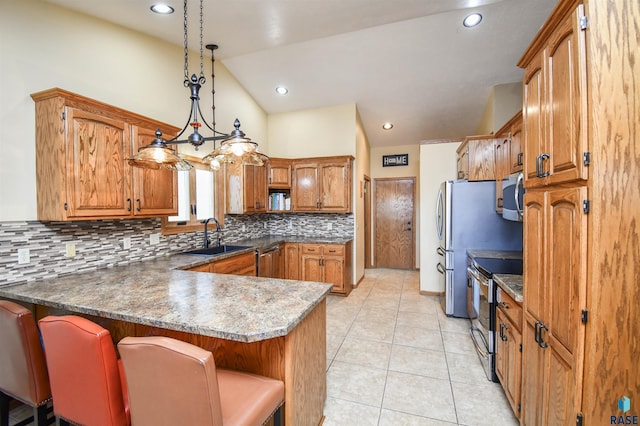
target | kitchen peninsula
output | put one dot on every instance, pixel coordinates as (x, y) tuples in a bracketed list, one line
[(266, 326)]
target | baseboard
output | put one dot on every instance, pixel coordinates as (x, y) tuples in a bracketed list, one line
[(432, 293)]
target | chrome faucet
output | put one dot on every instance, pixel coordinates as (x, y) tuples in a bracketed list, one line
[(206, 233)]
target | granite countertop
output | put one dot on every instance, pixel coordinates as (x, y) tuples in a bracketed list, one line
[(512, 284), (160, 293), (495, 254)]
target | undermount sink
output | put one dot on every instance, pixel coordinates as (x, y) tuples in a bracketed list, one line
[(216, 250)]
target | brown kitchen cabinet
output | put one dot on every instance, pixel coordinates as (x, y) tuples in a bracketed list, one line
[(555, 270), (508, 155), (476, 158), (240, 264), (509, 348), (554, 107), (246, 188), (279, 173), (292, 261), (322, 184), (82, 147), (329, 263)]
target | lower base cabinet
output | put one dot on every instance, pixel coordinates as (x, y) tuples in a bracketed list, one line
[(242, 264), (328, 263), (509, 356)]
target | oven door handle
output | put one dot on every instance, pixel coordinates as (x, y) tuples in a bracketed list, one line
[(482, 351)]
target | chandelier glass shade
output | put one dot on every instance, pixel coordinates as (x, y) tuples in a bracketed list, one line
[(234, 146)]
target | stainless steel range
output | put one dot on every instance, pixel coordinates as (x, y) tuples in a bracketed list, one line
[(481, 303)]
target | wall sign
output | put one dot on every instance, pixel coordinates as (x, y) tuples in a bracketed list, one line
[(395, 160)]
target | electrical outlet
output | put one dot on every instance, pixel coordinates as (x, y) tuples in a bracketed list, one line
[(126, 243), (71, 249), (23, 256), (329, 226), (265, 225), (289, 224), (154, 239), (244, 228)]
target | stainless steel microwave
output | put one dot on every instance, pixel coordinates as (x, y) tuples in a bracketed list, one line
[(513, 195)]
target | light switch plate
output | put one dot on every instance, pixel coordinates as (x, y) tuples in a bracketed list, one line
[(23, 256), (154, 239)]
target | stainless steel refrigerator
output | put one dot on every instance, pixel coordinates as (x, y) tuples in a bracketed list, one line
[(466, 220)]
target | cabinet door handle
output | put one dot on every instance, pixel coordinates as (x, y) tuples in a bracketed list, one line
[(500, 202), (128, 204), (536, 334), (538, 166), (139, 206), (519, 161), (503, 305), (542, 329), (503, 327), (542, 158)]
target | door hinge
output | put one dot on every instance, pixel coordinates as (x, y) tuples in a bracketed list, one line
[(586, 206), (64, 115), (520, 347), (519, 407), (584, 316), (586, 157), (584, 23), (579, 419), (66, 206)]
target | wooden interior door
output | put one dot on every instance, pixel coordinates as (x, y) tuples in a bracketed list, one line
[(394, 223)]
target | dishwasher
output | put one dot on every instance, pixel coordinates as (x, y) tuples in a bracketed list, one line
[(268, 261)]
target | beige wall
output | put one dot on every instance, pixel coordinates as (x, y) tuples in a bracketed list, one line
[(505, 100), (437, 164), (316, 132), (362, 168), (412, 170), (44, 46)]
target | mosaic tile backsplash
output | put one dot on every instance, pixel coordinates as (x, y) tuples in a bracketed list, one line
[(99, 244)]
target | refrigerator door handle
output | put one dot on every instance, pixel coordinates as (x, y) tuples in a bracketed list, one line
[(439, 216), (440, 268)]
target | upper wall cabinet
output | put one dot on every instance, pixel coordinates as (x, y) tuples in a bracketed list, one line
[(82, 147), (279, 173), (476, 158), (246, 188), (322, 184), (554, 107)]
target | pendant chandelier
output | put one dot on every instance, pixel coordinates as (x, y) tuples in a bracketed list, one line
[(234, 146)]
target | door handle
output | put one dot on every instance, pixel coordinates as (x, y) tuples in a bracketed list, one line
[(538, 166), (139, 206), (128, 204), (542, 328), (500, 202), (503, 327), (519, 161), (542, 158), (536, 334)]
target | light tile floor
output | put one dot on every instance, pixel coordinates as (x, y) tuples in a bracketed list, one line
[(394, 358)]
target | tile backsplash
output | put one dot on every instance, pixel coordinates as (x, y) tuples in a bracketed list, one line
[(100, 243)]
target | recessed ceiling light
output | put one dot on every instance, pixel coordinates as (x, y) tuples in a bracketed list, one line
[(161, 8), (281, 90), (387, 126), (472, 20)]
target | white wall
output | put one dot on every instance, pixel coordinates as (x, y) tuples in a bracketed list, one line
[(437, 164), (362, 168), (44, 46)]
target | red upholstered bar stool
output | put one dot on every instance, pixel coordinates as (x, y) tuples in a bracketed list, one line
[(175, 383), (23, 372), (87, 380)]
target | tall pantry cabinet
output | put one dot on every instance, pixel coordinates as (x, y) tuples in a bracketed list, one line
[(581, 256)]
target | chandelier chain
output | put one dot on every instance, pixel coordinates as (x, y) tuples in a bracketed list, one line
[(201, 43), (186, 47)]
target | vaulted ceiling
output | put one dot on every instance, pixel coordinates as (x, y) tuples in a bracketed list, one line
[(409, 62)]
